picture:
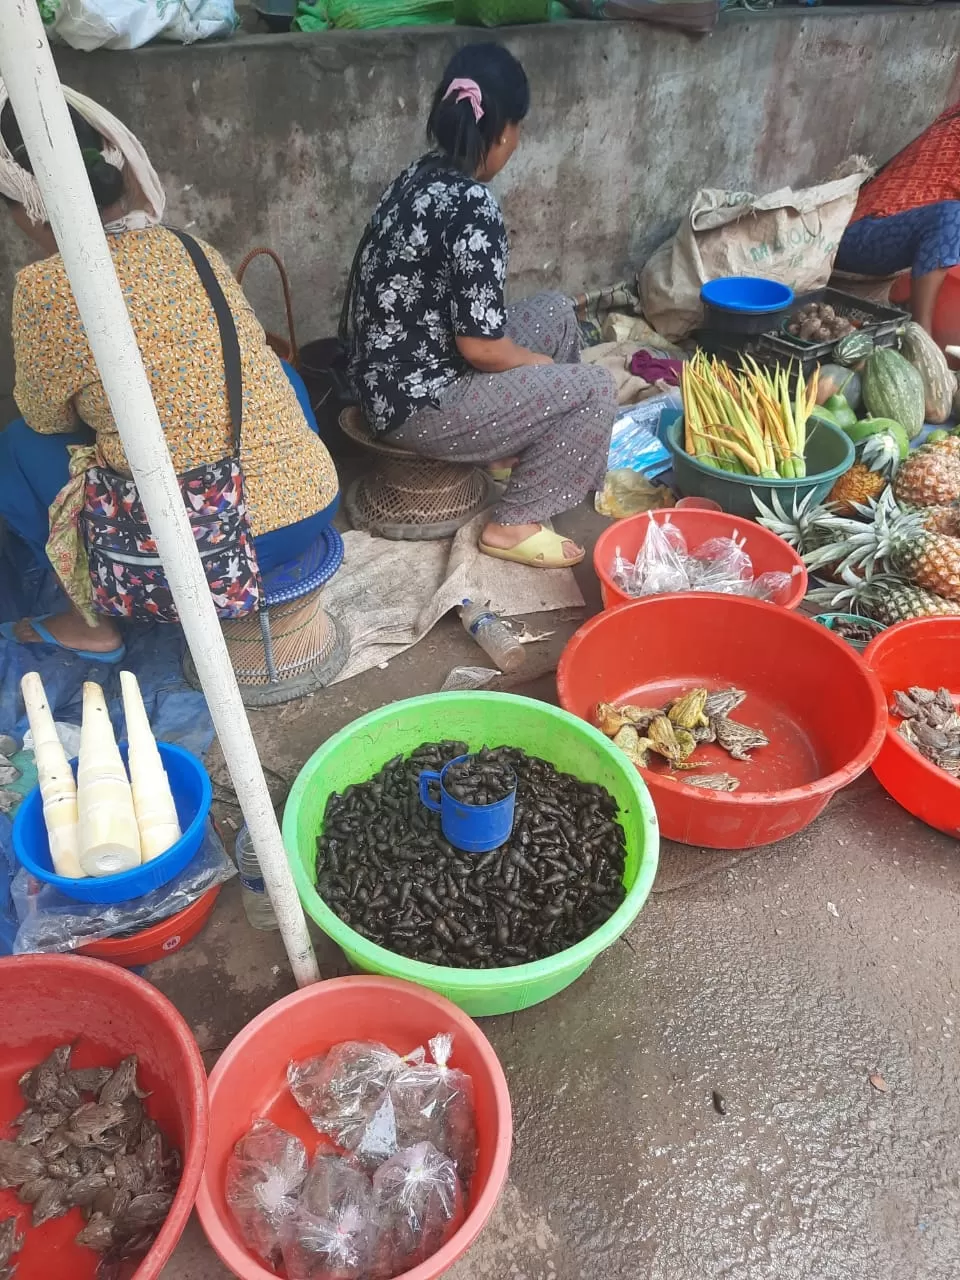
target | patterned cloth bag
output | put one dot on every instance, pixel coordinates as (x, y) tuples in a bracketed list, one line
[(125, 570)]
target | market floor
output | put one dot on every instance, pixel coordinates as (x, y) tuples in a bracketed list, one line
[(784, 979)]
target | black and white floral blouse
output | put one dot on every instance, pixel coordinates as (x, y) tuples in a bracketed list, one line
[(432, 269)]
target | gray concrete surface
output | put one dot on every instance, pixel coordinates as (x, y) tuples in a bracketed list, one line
[(287, 140), (783, 978)]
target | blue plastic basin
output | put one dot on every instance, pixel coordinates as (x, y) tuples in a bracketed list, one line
[(192, 794), (751, 294)]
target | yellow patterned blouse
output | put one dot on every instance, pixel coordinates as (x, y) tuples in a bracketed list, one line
[(287, 471)]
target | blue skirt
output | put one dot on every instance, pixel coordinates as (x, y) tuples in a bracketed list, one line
[(924, 239), (34, 468)]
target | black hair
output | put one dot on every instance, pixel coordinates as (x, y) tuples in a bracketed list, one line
[(106, 180), (505, 98)]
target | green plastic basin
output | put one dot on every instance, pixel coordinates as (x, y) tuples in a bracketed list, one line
[(829, 455), (492, 719)]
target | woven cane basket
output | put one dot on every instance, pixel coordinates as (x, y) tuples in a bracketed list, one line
[(406, 497)]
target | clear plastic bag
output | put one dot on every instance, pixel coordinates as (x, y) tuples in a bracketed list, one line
[(342, 1090), (265, 1172), (50, 921), (660, 566), (420, 1203), (433, 1103), (774, 585), (333, 1233), (721, 564)]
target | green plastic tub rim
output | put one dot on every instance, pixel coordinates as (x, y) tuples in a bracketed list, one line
[(762, 482), (440, 977)]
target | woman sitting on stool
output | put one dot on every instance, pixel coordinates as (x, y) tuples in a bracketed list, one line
[(441, 366), (290, 484)]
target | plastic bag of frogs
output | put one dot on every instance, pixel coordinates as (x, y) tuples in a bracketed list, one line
[(342, 1090), (433, 1102), (420, 1202), (333, 1232), (265, 1172), (660, 565), (721, 564)]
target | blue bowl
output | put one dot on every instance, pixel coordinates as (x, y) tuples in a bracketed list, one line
[(193, 796), (746, 294)]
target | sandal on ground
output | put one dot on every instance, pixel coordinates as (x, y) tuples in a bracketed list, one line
[(47, 637), (542, 550)]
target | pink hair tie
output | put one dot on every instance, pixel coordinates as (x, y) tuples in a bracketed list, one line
[(467, 91)]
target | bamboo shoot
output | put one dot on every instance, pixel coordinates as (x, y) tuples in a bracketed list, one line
[(58, 788), (152, 797), (109, 836)]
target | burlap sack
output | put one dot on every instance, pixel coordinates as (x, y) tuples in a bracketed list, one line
[(790, 236)]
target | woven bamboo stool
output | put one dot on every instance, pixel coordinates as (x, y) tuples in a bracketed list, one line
[(406, 497), (291, 646)]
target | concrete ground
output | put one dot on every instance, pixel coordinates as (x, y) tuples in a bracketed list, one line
[(784, 979)]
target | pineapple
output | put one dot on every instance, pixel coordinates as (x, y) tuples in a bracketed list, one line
[(943, 519), (804, 529), (878, 458), (885, 599), (930, 476), (894, 541)]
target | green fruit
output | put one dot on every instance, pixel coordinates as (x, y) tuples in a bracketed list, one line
[(853, 348), (892, 388), (874, 426), (835, 379), (936, 436), (843, 415)]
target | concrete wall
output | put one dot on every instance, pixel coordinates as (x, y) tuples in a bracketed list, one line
[(287, 140)]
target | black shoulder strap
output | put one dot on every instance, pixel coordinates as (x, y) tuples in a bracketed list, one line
[(228, 332)]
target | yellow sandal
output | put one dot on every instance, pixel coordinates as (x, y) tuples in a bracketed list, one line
[(542, 550)]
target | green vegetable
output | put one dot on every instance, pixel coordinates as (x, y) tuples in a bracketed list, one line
[(929, 361), (936, 436), (843, 415), (892, 388), (853, 348), (874, 426)]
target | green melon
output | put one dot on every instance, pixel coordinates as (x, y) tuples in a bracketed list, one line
[(892, 388)]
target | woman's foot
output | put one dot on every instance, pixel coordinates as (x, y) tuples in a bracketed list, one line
[(506, 537), (70, 630)]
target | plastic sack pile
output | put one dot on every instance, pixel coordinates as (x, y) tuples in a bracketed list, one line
[(128, 24), (665, 563), (386, 1188)]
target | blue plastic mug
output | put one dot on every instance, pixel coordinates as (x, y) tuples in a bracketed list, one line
[(472, 828)]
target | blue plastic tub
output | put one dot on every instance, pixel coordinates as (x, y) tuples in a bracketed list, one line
[(751, 294), (192, 794)]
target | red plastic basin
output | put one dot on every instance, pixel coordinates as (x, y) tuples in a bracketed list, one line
[(925, 651), (820, 706), (108, 1013), (250, 1081), (768, 552), (159, 940)]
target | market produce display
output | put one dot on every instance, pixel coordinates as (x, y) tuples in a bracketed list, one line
[(893, 388), (881, 445), (930, 723), (819, 322), (387, 1186), (664, 564), (749, 423), (84, 1141), (384, 867), (673, 732), (939, 382), (103, 822)]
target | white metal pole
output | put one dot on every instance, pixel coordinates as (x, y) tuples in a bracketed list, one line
[(28, 70)]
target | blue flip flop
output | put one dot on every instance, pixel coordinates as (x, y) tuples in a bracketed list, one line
[(91, 655)]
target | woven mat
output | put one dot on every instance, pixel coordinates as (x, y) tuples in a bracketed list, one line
[(390, 594)]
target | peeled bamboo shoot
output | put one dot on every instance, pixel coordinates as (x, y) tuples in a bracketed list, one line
[(58, 788), (109, 836), (152, 797)]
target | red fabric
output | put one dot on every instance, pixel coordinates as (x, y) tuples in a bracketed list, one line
[(925, 172)]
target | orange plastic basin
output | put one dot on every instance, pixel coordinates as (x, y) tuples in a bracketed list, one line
[(159, 940), (250, 1081), (107, 1013), (820, 706), (925, 651), (768, 552)]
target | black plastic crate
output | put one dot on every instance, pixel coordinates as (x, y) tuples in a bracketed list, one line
[(880, 320)]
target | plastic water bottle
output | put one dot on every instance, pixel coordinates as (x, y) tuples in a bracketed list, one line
[(256, 900), (496, 640)]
